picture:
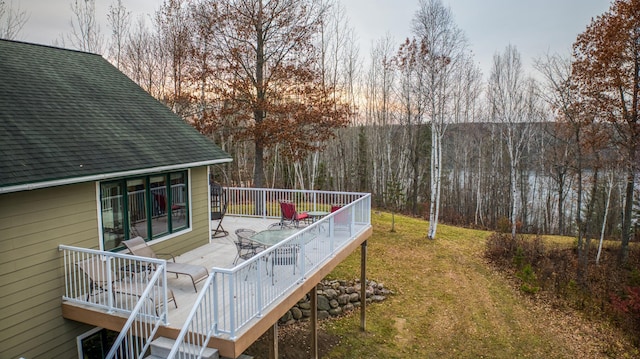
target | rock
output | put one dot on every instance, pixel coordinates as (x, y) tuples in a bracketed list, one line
[(286, 317), (323, 303), (331, 293), (343, 299), (334, 303), (350, 290), (323, 314), (335, 311), (354, 297), (296, 313)]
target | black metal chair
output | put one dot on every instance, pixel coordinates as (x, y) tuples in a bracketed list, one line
[(218, 209), (246, 248)]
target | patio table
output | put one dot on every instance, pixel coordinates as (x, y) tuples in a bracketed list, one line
[(271, 237), (315, 215)]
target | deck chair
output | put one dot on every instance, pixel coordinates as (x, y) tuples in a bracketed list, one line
[(289, 215), (96, 270), (245, 247), (285, 255), (138, 247), (218, 209)]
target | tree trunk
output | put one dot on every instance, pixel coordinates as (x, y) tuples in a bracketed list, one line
[(626, 220)]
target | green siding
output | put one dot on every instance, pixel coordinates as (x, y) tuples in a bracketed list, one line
[(32, 225)]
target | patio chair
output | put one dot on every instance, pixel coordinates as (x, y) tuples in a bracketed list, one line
[(290, 216), (138, 247), (96, 270), (218, 209), (285, 255), (246, 248)]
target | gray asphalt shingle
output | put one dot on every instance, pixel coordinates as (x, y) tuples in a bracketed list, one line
[(69, 114)]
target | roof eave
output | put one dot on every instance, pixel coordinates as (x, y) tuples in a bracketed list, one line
[(108, 176)]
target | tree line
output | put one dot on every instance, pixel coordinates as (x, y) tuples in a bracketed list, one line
[(281, 85)]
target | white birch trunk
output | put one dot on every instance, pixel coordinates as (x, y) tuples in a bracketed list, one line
[(604, 219)]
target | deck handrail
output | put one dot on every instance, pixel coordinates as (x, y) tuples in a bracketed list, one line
[(217, 312), (141, 295), (137, 333), (265, 202)]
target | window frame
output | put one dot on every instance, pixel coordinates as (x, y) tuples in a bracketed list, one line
[(172, 229)]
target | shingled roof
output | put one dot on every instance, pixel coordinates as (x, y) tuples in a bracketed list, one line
[(69, 116)]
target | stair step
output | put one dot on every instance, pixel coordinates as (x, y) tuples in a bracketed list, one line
[(161, 347)]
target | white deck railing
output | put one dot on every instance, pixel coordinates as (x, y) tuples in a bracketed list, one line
[(232, 298), (133, 286), (265, 203)]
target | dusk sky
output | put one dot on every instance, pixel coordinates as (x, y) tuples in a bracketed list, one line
[(535, 27)]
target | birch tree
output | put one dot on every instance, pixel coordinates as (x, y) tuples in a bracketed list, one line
[(444, 48), (513, 107)]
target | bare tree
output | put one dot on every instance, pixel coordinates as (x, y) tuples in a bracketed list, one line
[(444, 48), (12, 20), (512, 98), (85, 30), (119, 20), (564, 153)]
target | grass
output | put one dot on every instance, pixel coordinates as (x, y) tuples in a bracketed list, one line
[(449, 303)]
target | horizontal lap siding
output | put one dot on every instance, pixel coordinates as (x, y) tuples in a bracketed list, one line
[(32, 225)]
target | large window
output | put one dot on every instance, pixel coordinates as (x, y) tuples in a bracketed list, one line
[(149, 207)]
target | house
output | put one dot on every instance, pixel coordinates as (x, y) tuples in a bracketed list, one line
[(87, 160), (77, 136)]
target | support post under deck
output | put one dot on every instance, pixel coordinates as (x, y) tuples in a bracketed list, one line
[(314, 322), (363, 285)]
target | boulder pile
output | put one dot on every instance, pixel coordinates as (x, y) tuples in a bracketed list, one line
[(336, 297)]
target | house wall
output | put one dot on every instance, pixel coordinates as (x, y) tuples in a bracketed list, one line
[(32, 225)]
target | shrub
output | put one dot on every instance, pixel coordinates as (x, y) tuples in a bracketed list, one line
[(503, 225), (529, 280)]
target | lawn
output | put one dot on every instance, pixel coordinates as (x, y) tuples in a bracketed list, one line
[(449, 303)]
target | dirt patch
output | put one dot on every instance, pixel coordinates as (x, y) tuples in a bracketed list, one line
[(294, 342)]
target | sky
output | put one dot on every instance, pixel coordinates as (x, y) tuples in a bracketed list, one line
[(534, 27)]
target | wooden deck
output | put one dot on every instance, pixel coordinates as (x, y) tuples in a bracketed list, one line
[(220, 253)]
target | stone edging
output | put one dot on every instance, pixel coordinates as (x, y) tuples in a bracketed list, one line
[(335, 297)]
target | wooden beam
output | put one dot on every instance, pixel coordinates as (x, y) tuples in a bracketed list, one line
[(314, 322), (363, 285), (273, 341)]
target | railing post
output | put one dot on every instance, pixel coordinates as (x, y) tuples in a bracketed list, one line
[(165, 314), (332, 229), (232, 307), (264, 203), (259, 289), (216, 315), (109, 280), (302, 255)]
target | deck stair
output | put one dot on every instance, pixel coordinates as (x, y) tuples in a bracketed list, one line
[(161, 347)]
